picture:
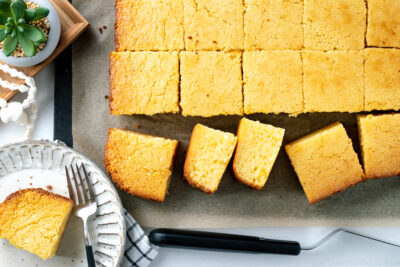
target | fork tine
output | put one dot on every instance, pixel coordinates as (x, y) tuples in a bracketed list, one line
[(78, 190), (89, 184), (82, 185), (70, 189)]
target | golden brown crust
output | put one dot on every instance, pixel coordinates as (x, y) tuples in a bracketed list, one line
[(325, 196), (110, 73), (117, 182), (36, 190), (116, 30), (243, 180)]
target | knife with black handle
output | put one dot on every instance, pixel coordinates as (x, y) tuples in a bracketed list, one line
[(220, 241)]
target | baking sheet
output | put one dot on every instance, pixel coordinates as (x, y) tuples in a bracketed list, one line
[(282, 201)]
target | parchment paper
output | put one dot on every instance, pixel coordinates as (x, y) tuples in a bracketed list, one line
[(282, 201)]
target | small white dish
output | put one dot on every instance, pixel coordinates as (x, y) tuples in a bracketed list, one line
[(52, 40), (33, 164)]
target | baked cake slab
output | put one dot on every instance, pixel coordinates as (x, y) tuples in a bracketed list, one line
[(258, 145), (273, 82), (273, 24), (333, 81), (208, 156), (148, 25), (380, 144), (325, 162), (213, 25), (382, 79), (334, 24), (383, 23), (140, 164), (144, 83), (211, 83)]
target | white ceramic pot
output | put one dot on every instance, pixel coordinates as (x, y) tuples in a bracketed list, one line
[(52, 40)]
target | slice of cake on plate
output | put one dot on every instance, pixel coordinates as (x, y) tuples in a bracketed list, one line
[(325, 162), (34, 220), (208, 156), (258, 146), (140, 164), (380, 144)]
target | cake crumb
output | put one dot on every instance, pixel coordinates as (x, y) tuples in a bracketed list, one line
[(137, 126), (106, 97), (101, 30), (104, 27), (49, 187)]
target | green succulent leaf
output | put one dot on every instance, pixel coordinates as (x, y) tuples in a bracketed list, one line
[(20, 28), (17, 9), (2, 34), (8, 30), (10, 44), (22, 3), (5, 7), (14, 33), (3, 19), (26, 44), (33, 33), (29, 15), (40, 12)]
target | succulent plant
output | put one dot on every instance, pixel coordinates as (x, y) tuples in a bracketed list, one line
[(15, 28)]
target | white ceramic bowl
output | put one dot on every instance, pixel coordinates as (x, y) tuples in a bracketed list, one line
[(52, 41)]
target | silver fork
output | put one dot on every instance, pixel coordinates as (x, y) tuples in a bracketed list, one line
[(84, 206)]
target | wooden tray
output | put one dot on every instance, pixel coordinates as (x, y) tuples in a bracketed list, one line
[(73, 24)]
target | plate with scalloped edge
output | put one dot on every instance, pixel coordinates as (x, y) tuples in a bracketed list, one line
[(33, 164)]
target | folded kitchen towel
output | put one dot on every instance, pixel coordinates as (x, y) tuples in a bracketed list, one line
[(138, 249)]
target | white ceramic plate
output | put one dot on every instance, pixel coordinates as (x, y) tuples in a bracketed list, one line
[(33, 164)]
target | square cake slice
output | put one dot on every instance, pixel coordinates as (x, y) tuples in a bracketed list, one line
[(334, 24), (34, 220), (382, 79), (333, 81), (383, 23), (273, 82), (144, 83), (380, 144), (213, 25), (148, 25), (211, 83), (140, 164), (208, 156), (273, 24), (325, 162), (258, 145)]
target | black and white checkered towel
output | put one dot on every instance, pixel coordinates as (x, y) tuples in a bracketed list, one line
[(138, 249)]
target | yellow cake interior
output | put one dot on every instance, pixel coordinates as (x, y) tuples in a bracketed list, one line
[(34, 220), (257, 148)]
